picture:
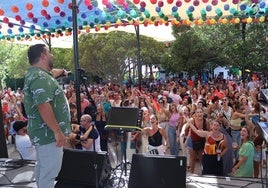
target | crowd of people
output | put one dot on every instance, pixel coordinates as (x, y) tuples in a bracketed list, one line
[(206, 122)]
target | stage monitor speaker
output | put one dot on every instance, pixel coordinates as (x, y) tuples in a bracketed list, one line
[(156, 171), (124, 118), (78, 169)]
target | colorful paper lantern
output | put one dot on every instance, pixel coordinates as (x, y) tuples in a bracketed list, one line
[(208, 8), (14, 9), (136, 1), (142, 4), (60, 1), (214, 2), (5, 20), (153, 1), (45, 3), (243, 6), (18, 18), (178, 3), (87, 2), (196, 3), (120, 2), (169, 1), (29, 6), (249, 20), (226, 7), (235, 2), (43, 13), (160, 3), (56, 9)]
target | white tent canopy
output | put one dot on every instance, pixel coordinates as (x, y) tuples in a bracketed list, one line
[(161, 33)]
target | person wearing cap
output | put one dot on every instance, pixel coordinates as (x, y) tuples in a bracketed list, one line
[(23, 142)]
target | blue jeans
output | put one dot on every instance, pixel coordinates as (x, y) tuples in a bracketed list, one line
[(236, 138), (48, 164), (172, 136)]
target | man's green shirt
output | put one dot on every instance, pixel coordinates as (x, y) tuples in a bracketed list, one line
[(40, 87)]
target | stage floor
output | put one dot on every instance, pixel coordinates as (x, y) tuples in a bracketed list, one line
[(23, 176), (20, 174)]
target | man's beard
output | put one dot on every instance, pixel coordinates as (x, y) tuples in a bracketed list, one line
[(51, 64)]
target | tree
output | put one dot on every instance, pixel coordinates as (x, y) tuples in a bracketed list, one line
[(106, 55), (234, 45), (188, 52), (63, 58), (12, 61)]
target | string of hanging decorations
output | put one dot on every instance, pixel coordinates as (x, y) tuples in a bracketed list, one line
[(36, 19)]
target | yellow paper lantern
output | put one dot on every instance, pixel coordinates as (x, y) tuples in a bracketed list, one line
[(188, 22), (249, 20), (212, 21), (87, 29), (200, 22), (262, 19), (224, 21), (108, 24), (237, 20), (118, 22)]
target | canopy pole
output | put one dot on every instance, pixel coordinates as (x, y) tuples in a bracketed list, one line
[(137, 29), (243, 30), (76, 60)]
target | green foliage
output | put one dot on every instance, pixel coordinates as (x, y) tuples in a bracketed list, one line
[(107, 55), (241, 46), (13, 62), (197, 48), (63, 58)]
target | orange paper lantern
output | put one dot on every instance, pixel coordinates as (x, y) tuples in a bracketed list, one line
[(2, 12), (61, 1), (45, 3), (14, 9), (29, 6)]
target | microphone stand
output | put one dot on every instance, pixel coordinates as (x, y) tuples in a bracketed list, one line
[(95, 165)]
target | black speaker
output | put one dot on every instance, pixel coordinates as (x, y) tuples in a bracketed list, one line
[(78, 169), (157, 171)]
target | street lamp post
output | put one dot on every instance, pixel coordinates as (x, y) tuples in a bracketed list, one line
[(243, 30), (137, 29)]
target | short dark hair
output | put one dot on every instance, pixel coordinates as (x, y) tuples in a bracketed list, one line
[(34, 53)]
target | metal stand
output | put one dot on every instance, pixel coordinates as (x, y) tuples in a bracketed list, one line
[(124, 162)]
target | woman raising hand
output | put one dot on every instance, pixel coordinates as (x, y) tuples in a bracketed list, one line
[(155, 136), (215, 147)]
